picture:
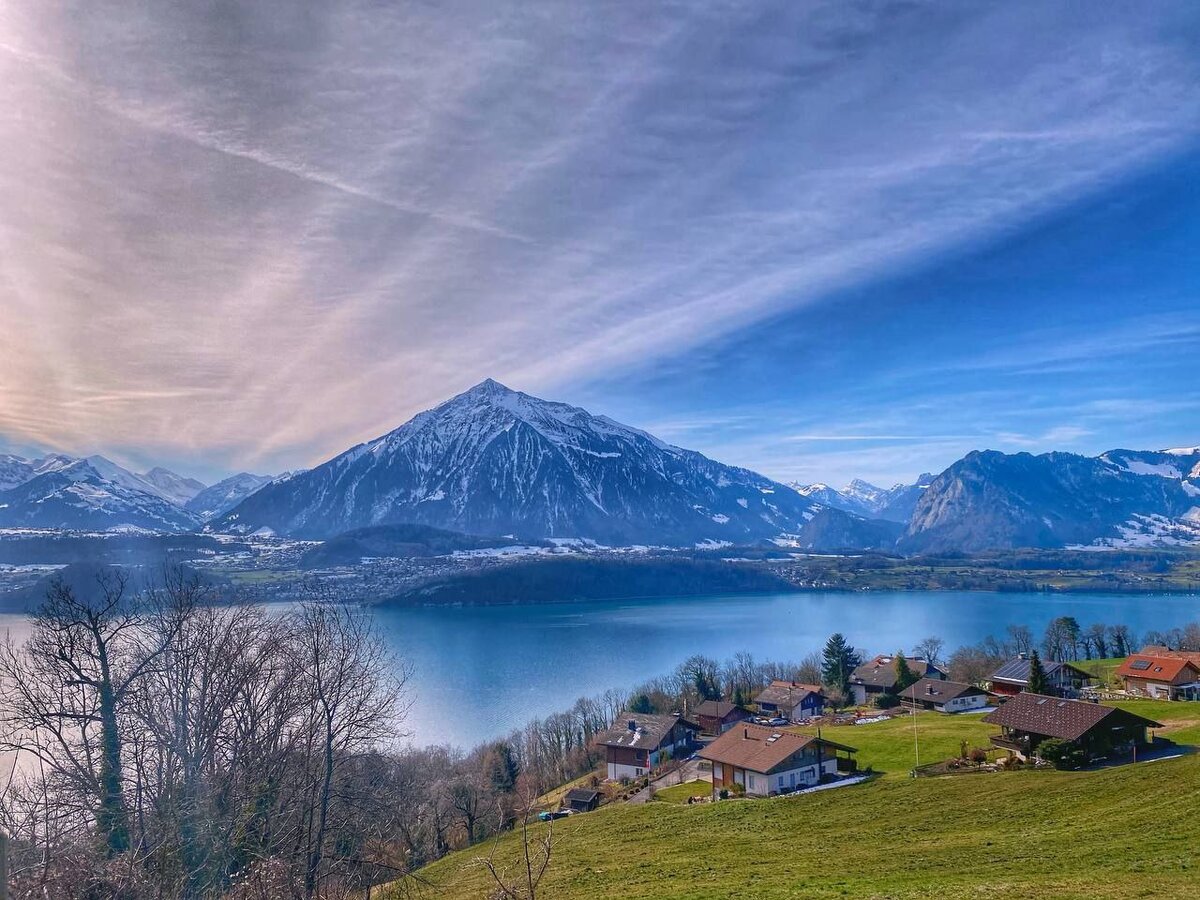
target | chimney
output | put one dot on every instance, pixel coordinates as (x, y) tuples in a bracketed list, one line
[(633, 725), (745, 734)]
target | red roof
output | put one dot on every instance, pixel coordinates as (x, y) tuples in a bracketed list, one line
[(1167, 669)]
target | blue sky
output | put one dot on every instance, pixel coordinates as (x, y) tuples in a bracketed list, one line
[(823, 240)]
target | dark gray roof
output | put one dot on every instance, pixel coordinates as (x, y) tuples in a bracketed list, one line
[(880, 672), (1066, 719), (787, 693), (648, 732), (1016, 671), (935, 690), (717, 709), (583, 795)]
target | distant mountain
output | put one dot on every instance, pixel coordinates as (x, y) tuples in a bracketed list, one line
[(15, 470), (394, 541), (496, 461), (176, 488), (836, 529), (867, 500), (225, 495), (90, 494), (992, 500), (898, 503)]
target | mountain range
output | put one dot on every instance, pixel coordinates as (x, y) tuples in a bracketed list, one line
[(894, 504), (499, 463), (95, 494)]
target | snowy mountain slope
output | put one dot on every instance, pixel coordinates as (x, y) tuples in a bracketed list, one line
[(994, 500), (82, 496), (16, 470), (864, 499), (173, 487), (223, 496), (493, 461)]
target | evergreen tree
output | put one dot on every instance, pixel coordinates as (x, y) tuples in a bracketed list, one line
[(1037, 675), (739, 699), (838, 661), (503, 768), (641, 704), (905, 676)]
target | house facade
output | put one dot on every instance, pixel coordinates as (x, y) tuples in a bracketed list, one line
[(718, 716), (1062, 678), (764, 761), (878, 676), (945, 696), (638, 743), (1027, 720), (1161, 677), (795, 701)]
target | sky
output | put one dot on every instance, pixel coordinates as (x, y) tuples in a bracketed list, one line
[(821, 240)]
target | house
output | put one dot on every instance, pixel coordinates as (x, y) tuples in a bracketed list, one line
[(581, 799), (1026, 720), (793, 700), (1159, 650), (878, 676), (717, 716), (945, 696), (639, 742), (1161, 677), (1062, 678), (766, 761)]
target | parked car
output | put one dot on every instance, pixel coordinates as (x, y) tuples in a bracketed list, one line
[(551, 815)]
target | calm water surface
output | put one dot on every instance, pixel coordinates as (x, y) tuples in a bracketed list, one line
[(482, 671)]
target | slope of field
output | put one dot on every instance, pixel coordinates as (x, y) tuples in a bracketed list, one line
[(1114, 833)]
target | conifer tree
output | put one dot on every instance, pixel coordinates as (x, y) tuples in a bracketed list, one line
[(1037, 675)]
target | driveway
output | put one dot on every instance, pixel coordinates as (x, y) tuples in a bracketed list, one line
[(689, 771)]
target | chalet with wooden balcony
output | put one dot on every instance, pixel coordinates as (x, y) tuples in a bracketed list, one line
[(764, 761)]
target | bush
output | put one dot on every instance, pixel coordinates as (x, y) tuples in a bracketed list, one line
[(887, 701), (1061, 754)]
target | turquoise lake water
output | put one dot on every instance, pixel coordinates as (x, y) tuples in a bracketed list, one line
[(480, 672)]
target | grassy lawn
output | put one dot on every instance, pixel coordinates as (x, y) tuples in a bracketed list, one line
[(553, 799), (679, 793), (888, 747), (1101, 668), (1021, 834)]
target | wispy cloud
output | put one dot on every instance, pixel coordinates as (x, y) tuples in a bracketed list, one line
[(255, 236)]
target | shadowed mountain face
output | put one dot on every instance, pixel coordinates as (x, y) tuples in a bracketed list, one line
[(1121, 498), (493, 461)]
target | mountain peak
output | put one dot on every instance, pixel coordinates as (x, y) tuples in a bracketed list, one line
[(489, 387)]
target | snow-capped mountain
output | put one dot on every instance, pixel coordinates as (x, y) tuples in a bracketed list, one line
[(225, 495), (16, 470), (171, 486), (89, 494), (1121, 498), (864, 499), (493, 461)]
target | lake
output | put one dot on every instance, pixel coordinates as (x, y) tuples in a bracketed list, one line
[(482, 671)]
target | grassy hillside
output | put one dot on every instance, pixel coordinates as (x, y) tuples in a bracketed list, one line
[(1115, 833)]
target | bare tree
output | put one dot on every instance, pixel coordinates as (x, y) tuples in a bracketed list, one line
[(532, 863), (355, 693), (930, 649)]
